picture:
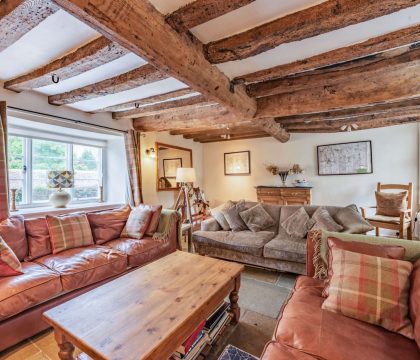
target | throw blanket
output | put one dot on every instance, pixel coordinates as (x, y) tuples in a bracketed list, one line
[(168, 219)]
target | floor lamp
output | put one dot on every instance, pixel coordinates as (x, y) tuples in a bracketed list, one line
[(184, 176)]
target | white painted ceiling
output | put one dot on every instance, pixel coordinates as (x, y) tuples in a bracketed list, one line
[(61, 33)]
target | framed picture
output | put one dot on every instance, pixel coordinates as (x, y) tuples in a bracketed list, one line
[(352, 158), (238, 163), (170, 166)]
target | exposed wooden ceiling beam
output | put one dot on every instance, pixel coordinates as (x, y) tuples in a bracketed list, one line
[(331, 76), (17, 17), (163, 107), (374, 83), (325, 17), (374, 45), (233, 137), (149, 100), (200, 11), (274, 129), (139, 27), (220, 131), (95, 53), (389, 108), (129, 80)]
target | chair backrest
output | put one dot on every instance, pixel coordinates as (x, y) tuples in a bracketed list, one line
[(407, 187)]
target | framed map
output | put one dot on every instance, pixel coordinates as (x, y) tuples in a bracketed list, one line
[(351, 158), (238, 163)]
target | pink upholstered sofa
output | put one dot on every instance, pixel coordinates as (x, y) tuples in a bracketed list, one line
[(51, 279)]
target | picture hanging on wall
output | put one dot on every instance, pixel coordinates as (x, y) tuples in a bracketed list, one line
[(238, 163), (350, 158), (170, 166)]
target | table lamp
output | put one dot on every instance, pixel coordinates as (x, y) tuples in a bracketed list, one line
[(184, 176), (60, 180)]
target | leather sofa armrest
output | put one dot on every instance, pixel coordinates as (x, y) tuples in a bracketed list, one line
[(210, 224)]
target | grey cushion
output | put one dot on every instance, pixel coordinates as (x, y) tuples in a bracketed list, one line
[(285, 248), (210, 224), (352, 221), (298, 224), (243, 241), (324, 221), (257, 218), (220, 218), (231, 212)]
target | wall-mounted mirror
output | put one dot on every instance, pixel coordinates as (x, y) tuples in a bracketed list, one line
[(169, 158)]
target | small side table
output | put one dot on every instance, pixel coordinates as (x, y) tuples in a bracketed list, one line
[(186, 230)]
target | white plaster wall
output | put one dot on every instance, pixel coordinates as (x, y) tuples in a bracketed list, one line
[(395, 160)]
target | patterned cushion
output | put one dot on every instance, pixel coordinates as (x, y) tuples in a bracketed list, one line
[(352, 221), (233, 353), (9, 263), (154, 221), (298, 224), (137, 223), (384, 251), (69, 231), (324, 221), (391, 204), (231, 213), (256, 218), (220, 218), (371, 289)]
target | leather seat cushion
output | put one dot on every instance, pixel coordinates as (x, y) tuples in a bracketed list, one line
[(80, 267), (305, 326), (286, 248), (36, 285), (140, 251), (242, 241), (276, 351)]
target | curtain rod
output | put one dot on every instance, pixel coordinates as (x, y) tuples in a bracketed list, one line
[(67, 119)]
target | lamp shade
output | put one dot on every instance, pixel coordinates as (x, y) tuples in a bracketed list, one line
[(60, 179), (185, 175)]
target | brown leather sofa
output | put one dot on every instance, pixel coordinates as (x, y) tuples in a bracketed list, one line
[(304, 331), (52, 279)]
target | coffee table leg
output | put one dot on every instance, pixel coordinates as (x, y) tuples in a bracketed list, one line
[(66, 347), (234, 297)]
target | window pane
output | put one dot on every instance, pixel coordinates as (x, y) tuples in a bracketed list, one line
[(87, 172), (46, 156), (15, 163)]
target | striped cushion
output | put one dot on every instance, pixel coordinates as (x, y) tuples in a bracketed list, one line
[(137, 223), (154, 221), (372, 289), (9, 263), (69, 231)]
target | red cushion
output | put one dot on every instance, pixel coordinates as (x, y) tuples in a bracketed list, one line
[(108, 225), (38, 238), (12, 230), (414, 301)]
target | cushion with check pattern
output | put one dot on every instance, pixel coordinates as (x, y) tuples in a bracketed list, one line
[(371, 289), (137, 223), (9, 263), (69, 231)]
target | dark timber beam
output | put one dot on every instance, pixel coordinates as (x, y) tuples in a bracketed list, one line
[(319, 19), (140, 28)]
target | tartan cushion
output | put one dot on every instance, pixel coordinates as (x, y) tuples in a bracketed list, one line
[(371, 289), (69, 231), (137, 223), (154, 221), (9, 263)]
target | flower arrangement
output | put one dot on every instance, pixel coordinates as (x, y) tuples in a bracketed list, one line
[(275, 170)]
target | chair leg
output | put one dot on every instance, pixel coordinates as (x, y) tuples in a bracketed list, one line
[(410, 232), (377, 231), (402, 232)]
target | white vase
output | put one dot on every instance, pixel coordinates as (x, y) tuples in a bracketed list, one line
[(60, 198)]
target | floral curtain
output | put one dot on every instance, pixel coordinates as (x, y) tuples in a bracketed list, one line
[(4, 188), (133, 152)]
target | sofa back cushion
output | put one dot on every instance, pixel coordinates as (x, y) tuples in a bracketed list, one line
[(414, 301), (324, 221), (352, 221), (39, 241), (69, 231), (231, 212), (107, 225), (257, 218), (9, 263), (298, 223), (137, 223), (12, 230)]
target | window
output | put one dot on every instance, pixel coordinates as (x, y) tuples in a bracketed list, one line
[(30, 160)]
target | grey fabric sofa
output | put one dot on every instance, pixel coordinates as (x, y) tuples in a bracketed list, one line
[(272, 248)]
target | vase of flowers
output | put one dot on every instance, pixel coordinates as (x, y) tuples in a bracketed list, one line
[(283, 176)]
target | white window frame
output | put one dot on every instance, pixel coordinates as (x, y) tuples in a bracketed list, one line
[(27, 201)]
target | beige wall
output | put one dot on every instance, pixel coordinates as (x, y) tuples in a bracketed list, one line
[(395, 160)]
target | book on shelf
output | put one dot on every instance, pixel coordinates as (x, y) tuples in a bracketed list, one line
[(187, 344), (219, 326), (214, 318), (195, 348)]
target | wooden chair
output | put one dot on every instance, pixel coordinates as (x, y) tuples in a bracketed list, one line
[(400, 223)]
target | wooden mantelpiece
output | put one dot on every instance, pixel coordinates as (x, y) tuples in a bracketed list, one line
[(285, 195)]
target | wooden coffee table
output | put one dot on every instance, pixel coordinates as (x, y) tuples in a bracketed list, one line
[(147, 313)]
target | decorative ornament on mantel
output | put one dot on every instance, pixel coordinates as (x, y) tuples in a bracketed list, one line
[(284, 174)]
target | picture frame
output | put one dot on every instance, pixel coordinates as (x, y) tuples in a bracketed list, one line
[(237, 163), (350, 158), (170, 166)]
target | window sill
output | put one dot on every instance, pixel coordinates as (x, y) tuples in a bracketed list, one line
[(31, 213)]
